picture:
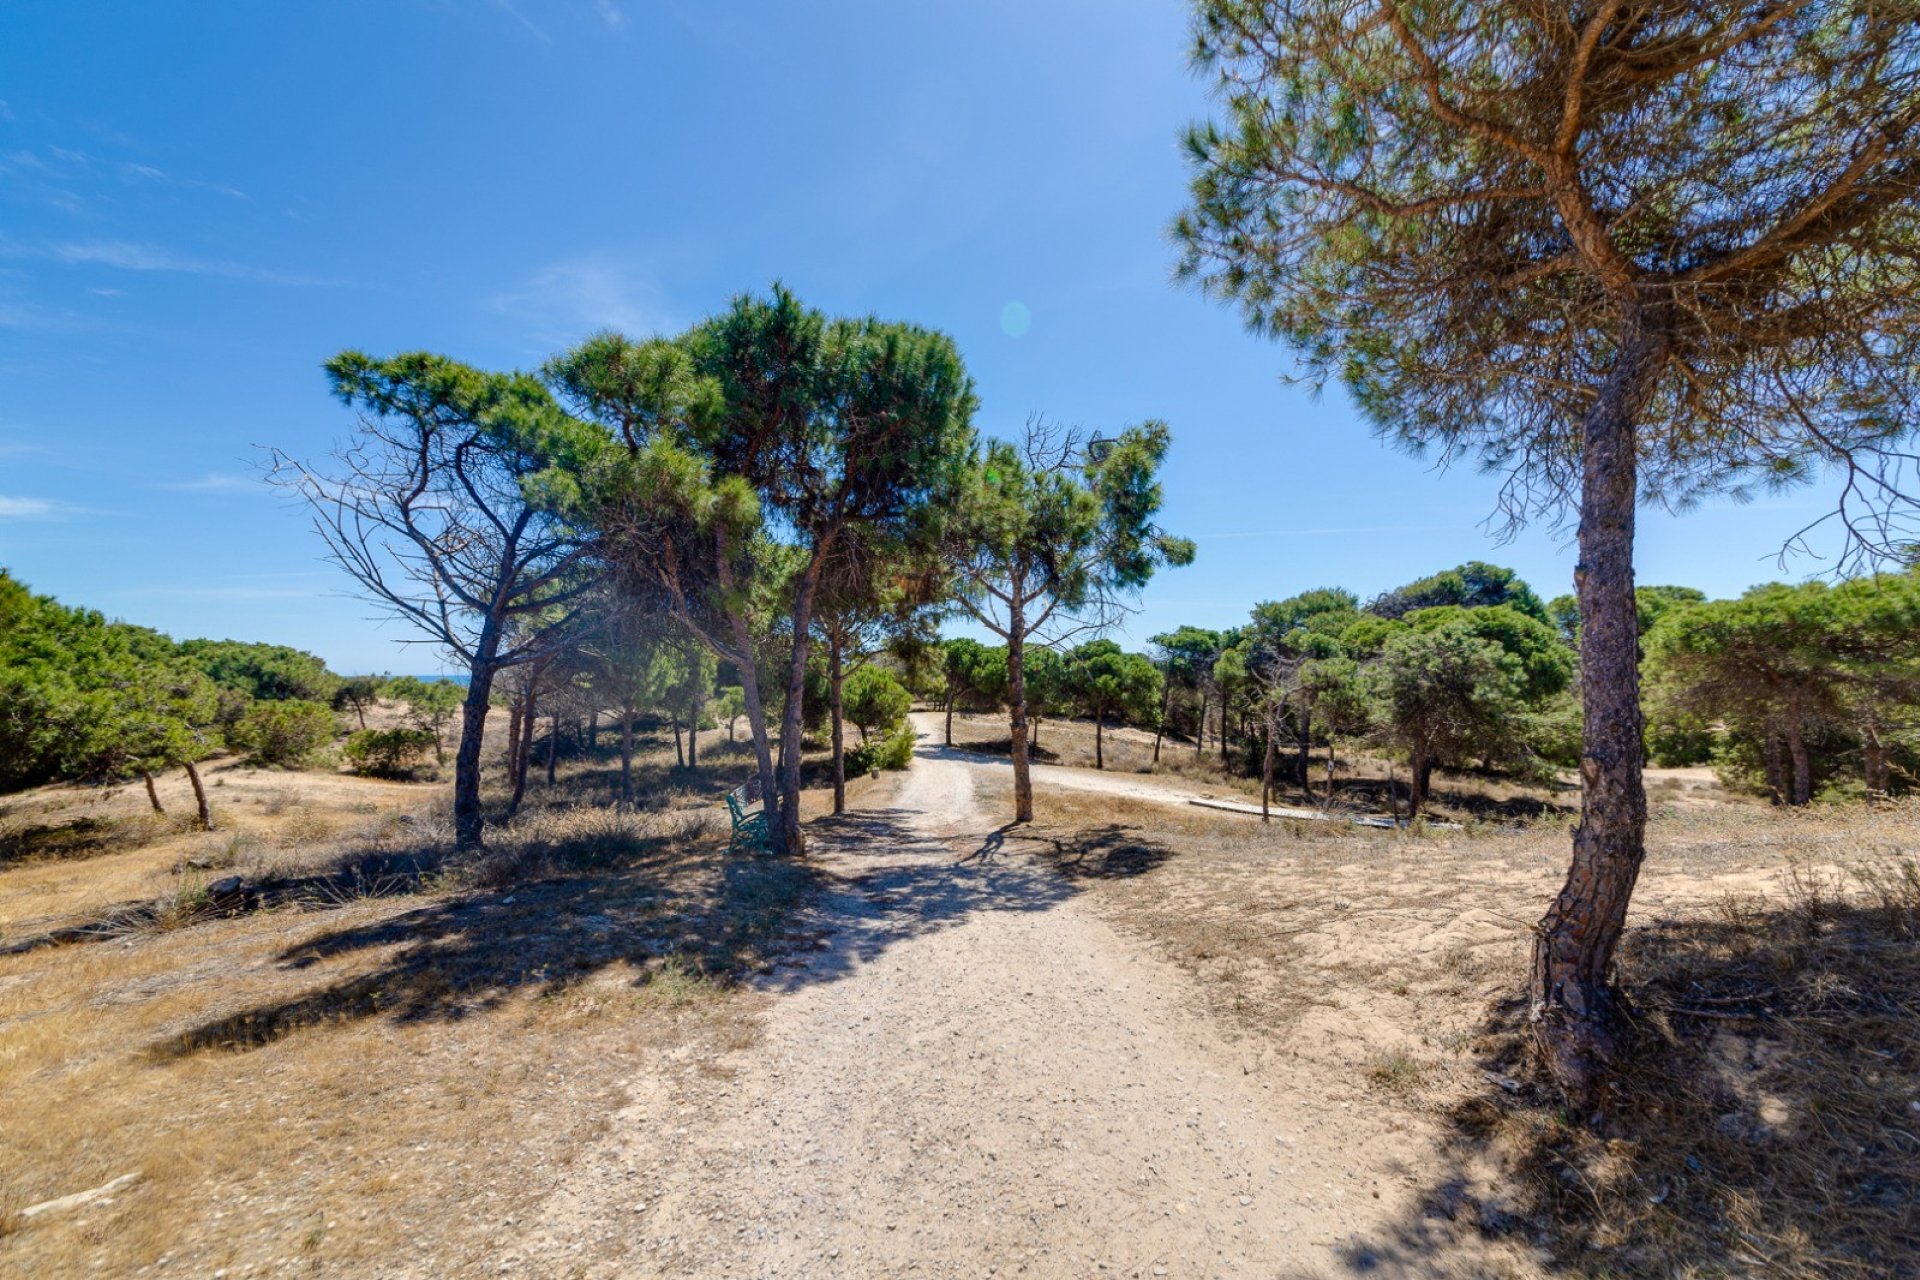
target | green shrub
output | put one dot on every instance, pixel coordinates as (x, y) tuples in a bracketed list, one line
[(877, 702), (287, 734), (895, 751), (389, 753)]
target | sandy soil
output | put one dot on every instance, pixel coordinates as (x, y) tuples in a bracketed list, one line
[(973, 1073), (1133, 786)]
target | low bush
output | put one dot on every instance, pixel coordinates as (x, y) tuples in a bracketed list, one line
[(389, 753), (287, 734), (895, 751)]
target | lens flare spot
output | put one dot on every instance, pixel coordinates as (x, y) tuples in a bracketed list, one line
[(1015, 319)]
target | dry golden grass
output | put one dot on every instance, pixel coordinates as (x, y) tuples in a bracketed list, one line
[(1768, 1124), (384, 1051)]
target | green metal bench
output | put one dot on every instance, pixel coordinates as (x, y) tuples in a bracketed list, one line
[(750, 829)]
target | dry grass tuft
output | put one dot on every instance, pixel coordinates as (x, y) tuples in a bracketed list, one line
[(306, 1068), (1767, 1119)]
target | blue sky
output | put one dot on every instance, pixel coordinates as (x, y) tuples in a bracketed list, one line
[(199, 202)]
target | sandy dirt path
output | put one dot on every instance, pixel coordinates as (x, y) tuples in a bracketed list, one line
[(973, 1074)]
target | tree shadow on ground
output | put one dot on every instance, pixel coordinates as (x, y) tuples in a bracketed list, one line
[(1451, 802), (83, 837), (669, 901), (1111, 852), (1766, 1123), (674, 902), (891, 881)]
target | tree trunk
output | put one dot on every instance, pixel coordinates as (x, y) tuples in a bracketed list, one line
[(522, 751), (1419, 774), (593, 730), (553, 748), (626, 756), (467, 817), (1160, 725), (1775, 756), (693, 733), (835, 683), (1200, 728), (950, 701), (679, 753), (1304, 720), (1802, 765), (205, 810), (1223, 728), (1099, 736), (1879, 774), (512, 757), (1266, 772), (1326, 802), (757, 726), (153, 796), (791, 724), (1574, 1008), (1017, 702)]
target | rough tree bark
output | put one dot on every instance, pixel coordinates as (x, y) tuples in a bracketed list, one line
[(1802, 793), (1017, 703), (757, 727), (522, 751), (467, 818), (153, 796), (836, 681), (793, 722), (205, 810), (1266, 771), (1879, 771), (553, 747), (1574, 1009)]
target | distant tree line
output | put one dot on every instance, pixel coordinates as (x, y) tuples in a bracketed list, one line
[(84, 698), (1788, 691)]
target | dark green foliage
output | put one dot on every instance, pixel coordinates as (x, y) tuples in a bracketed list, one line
[(894, 751), (1474, 584), (269, 672), (1803, 679), (388, 753), (85, 698), (358, 695), (285, 734), (876, 702), (431, 705)]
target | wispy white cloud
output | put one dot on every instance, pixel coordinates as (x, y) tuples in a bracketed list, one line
[(34, 509), (6, 111), (507, 7), (218, 482), (147, 171), (566, 300), (610, 14), (126, 255)]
